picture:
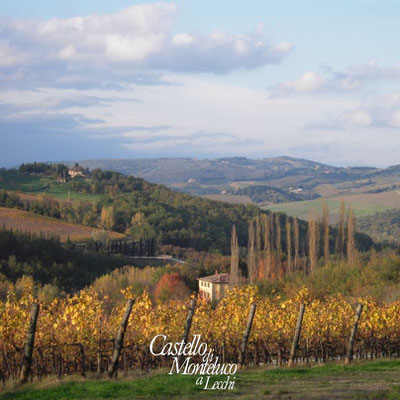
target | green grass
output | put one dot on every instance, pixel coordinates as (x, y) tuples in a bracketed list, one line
[(302, 209), (157, 386), (42, 186), (25, 183), (60, 192), (361, 380)]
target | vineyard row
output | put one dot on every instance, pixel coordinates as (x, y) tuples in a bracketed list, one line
[(86, 333)]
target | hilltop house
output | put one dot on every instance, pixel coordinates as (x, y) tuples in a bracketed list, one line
[(213, 287), (77, 170)]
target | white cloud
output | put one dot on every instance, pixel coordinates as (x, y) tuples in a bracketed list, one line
[(198, 116), (378, 111), (132, 34), (382, 111), (394, 119), (10, 56), (357, 118), (122, 46), (309, 82), (182, 39), (314, 82), (330, 80)]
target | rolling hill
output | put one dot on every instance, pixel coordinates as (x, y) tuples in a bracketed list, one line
[(24, 221), (127, 204), (280, 184), (366, 204), (262, 181), (172, 171)]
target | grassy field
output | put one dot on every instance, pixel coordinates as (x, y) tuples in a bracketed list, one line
[(229, 198), (362, 204), (371, 380), (42, 186), (35, 223), (60, 193)]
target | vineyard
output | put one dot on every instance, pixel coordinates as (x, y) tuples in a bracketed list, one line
[(76, 335), (11, 218)]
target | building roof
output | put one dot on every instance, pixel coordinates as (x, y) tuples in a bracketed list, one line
[(77, 168), (216, 278)]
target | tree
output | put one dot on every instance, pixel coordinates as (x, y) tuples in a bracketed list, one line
[(296, 233), (258, 233), (251, 256), (313, 243), (267, 246), (281, 271), (289, 244), (341, 230), (325, 227), (141, 229), (234, 271), (171, 287), (351, 228), (258, 247), (107, 218)]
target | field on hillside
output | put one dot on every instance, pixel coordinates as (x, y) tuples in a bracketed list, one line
[(362, 204), (34, 223), (229, 198), (362, 186), (42, 186), (370, 380)]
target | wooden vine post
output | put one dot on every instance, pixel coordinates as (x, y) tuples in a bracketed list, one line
[(188, 323), (296, 335), (246, 334), (119, 340), (349, 355), (30, 342)]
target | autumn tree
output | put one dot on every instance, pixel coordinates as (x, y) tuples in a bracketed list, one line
[(171, 287), (289, 244), (258, 233), (107, 218), (313, 243), (325, 228), (296, 234), (351, 245), (258, 247), (251, 256), (279, 245), (234, 271), (267, 246), (339, 248)]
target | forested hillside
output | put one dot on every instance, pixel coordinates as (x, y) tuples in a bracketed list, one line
[(50, 262), (262, 194), (224, 170), (128, 205), (267, 245), (382, 226)]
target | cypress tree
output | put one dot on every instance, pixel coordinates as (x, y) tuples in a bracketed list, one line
[(234, 272), (289, 244), (325, 227), (251, 256)]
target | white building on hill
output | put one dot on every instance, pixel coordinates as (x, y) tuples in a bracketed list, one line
[(213, 287)]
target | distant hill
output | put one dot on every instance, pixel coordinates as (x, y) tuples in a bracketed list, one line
[(263, 181), (262, 194), (282, 184), (130, 205), (172, 171)]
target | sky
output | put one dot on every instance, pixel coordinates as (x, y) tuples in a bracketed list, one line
[(256, 78)]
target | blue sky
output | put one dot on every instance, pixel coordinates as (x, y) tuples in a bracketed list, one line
[(120, 79)]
